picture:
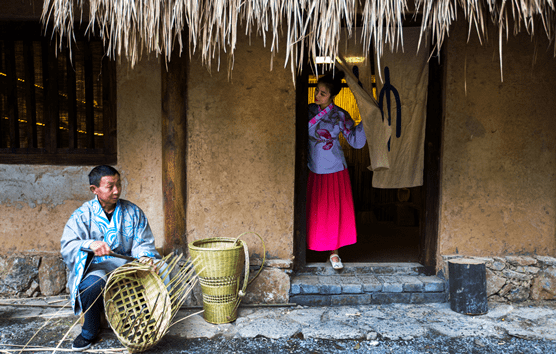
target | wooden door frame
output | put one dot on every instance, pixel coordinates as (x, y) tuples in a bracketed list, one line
[(429, 220), (301, 171)]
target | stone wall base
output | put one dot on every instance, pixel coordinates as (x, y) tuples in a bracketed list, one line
[(516, 278), (271, 286), (45, 275), (32, 275)]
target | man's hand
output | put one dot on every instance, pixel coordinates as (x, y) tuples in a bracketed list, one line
[(100, 248), (148, 261)]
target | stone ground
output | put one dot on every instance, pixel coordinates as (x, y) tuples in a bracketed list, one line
[(394, 328)]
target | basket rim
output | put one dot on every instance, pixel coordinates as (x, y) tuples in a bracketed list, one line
[(233, 241)]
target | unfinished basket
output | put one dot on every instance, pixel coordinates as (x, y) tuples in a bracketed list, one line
[(219, 263), (140, 301)]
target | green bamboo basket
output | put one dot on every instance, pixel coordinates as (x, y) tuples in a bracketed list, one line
[(140, 301), (219, 263)]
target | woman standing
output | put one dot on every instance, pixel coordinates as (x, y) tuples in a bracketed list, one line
[(330, 213)]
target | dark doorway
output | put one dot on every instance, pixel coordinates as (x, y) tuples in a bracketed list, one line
[(393, 225)]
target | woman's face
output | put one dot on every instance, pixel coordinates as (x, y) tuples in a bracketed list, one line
[(322, 96)]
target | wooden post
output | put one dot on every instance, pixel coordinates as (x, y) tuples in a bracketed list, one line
[(174, 151), (468, 293)]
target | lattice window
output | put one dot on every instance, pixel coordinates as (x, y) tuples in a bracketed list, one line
[(55, 108)]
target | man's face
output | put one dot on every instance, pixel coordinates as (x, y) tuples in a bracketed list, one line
[(108, 192)]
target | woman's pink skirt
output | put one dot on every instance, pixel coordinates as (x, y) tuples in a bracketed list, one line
[(330, 213)]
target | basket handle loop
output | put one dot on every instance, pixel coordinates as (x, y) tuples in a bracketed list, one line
[(247, 256), (246, 280)]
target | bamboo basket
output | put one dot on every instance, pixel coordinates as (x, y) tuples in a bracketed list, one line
[(219, 263), (140, 301)]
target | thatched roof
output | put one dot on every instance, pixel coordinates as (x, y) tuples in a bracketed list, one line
[(158, 26)]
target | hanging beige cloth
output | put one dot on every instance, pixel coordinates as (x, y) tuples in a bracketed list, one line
[(404, 78), (376, 129)]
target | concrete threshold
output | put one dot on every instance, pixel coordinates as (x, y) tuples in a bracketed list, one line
[(318, 284), (405, 268)]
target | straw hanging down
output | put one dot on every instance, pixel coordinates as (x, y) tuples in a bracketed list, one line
[(129, 27)]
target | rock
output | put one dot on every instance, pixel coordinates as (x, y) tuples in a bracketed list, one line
[(52, 275), (526, 269), (269, 328), (494, 282), (515, 275), (495, 265), (496, 298), (272, 286), (547, 261), (33, 289), (485, 260), (372, 335), (506, 289), (273, 263), (518, 294), (544, 285), (17, 273), (521, 260)]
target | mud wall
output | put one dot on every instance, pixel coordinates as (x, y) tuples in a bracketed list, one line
[(241, 150), (498, 190), (37, 200)]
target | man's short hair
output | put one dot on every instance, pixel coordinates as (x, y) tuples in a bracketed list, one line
[(98, 172)]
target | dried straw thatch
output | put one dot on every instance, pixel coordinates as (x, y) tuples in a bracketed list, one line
[(129, 26)]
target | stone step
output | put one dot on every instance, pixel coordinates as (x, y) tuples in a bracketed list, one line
[(407, 268), (360, 289)]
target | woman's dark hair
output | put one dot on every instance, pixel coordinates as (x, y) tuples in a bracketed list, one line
[(333, 81), (101, 171)]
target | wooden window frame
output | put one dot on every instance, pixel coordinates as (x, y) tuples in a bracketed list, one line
[(51, 153)]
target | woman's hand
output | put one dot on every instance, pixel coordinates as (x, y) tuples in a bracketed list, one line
[(100, 248)]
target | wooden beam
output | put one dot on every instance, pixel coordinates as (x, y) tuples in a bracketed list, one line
[(109, 106), (51, 102), (89, 95), (63, 157), (174, 152), (72, 99), (4, 130), (30, 101), (13, 111)]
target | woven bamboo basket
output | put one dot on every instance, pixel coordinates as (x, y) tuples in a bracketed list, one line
[(219, 263), (140, 301)]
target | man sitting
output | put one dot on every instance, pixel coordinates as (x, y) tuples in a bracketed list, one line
[(105, 224)]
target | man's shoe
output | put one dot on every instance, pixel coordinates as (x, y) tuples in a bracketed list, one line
[(81, 343)]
